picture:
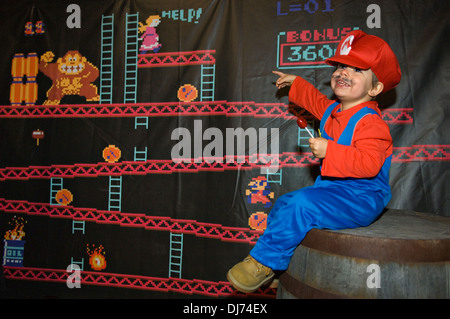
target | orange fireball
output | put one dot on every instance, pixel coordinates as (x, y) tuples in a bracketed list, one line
[(97, 258)]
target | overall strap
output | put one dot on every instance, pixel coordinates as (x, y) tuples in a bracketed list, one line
[(324, 119), (347, 135), (379, 183)]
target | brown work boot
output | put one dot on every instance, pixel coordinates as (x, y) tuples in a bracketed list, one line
[(248, 275)]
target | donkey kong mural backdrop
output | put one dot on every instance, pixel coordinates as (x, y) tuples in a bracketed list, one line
[(144, 143)]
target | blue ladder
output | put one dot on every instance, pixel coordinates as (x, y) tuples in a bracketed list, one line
[(131, 53), (56, 184), (78, 225), (79, 263), (106, 68), (115, 193), (141, 121), (275, 177), (140, 155), (176, 255), (207, 82)]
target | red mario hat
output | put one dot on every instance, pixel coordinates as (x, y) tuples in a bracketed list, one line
[(364, 51)]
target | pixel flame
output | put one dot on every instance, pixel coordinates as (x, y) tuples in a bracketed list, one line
[(16, 233), (97, 259)]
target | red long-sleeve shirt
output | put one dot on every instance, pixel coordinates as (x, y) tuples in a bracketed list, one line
[(371, 144)]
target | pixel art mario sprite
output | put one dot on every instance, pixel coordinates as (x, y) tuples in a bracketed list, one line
[(259, 191)]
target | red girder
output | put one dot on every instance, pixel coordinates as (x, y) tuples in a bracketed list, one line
[(184, 286), (224, 108), (419, 153), (287, 159), (154, 167), (176, 58), (147, 110), (192, 227)]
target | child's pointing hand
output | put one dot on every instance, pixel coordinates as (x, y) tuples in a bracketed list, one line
[(284, 79)]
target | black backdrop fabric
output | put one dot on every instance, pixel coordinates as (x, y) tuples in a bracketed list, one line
[(130, 176)]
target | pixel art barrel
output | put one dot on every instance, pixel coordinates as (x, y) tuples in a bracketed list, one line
[(17, 73), (30, 91), (16, 92), (31, 71), (13, 252), (18, 66), (31, 65), (402, 255)]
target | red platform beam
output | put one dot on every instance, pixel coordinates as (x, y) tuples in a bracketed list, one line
[(184, 286), (168, 59), (206, 108)]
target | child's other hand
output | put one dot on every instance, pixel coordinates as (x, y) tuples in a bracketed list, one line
[(284, 79), (318, 146)]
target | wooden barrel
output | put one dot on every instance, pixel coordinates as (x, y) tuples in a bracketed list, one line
[(403, 254), (30, 92), (18, 66), (30, 89), (17, 72), (31, 66), (16, 92)]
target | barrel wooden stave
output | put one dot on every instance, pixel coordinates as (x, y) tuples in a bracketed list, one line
[(412, 251)]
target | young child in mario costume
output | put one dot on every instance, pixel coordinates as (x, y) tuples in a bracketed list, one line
[(355, 148)]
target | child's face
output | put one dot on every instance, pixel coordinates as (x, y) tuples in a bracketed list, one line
[(352, 85)]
